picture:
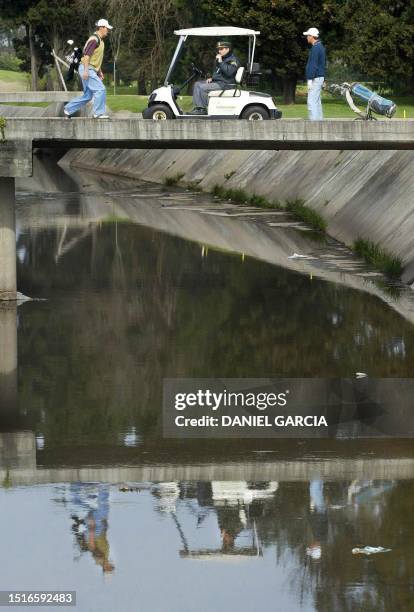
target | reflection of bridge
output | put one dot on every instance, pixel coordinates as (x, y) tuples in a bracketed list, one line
[(18, 467), (267, 235)]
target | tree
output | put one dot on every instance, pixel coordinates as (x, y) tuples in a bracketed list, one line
[(53, 21), (148, 24), (16, 14), (47, 23), (115, 42), (377, 41)]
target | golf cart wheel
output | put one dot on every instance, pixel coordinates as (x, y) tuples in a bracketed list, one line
[(158, 112), (255, 113)]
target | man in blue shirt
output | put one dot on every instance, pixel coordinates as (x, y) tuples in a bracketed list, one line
[(315, 74)]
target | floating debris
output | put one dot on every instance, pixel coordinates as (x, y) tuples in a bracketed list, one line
[(361, 375), (370, 550), (299, 256)]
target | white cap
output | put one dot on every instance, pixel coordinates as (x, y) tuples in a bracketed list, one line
[(312, 32), (103, 23)]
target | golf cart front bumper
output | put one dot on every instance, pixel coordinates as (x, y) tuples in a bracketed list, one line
[(275, 113)]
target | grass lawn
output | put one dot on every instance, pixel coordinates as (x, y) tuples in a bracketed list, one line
[(13, 81), (9, 76), (333, 107), (39, 104)]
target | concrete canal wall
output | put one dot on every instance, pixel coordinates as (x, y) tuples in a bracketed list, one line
[(361, 194)]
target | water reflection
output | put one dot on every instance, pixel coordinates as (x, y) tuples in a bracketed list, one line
[(127, 306), (94, 490), (238, 540)]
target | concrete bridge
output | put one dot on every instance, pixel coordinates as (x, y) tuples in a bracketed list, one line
[(24, 97), (23, 134)]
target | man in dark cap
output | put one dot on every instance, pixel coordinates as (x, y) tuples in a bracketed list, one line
[(224, 76)]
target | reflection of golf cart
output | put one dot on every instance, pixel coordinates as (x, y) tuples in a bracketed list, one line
[(227, 502), (230, 103)]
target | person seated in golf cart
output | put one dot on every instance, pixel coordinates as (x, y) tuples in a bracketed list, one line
[(224, 77)]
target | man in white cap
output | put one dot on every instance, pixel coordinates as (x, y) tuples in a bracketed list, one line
[(91, 74), (315, 73)]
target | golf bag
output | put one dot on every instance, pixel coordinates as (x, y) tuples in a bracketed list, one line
[(73, 60), (375, 102)]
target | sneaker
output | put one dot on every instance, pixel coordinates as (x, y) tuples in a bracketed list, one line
[(67, 115), (101, 117)]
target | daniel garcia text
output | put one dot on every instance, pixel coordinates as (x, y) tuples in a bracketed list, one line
[(260, 420)]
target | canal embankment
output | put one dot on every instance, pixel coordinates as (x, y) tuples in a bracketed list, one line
[(360, 194)]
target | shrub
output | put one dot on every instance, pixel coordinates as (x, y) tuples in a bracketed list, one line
[(377, 257), (170, 181), (8, 61), (301, 212)]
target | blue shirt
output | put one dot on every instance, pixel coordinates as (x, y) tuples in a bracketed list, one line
[(316, 61)]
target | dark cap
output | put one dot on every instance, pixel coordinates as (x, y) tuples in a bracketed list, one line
[(223, 43)]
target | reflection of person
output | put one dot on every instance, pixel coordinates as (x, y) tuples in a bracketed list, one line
[(91, 530), (315, 73), (230, 525), (97, 543), (224, 75), (318, 519), (91, 74)]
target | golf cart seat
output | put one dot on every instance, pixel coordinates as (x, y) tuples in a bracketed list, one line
[(231, 90)]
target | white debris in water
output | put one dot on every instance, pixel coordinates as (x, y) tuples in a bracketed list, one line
[(361, 375), (370, 550), (299, 256)]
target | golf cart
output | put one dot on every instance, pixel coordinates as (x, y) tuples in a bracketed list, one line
[(233, 102)]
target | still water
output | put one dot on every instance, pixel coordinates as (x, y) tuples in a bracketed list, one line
[(93, 499)]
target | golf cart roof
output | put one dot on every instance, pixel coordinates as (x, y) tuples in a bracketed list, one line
[(218, 32)]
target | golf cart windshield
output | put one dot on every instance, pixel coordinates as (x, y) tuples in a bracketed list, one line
[(219, 32)]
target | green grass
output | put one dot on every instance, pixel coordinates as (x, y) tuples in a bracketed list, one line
[(393, 290), (333, 108), (194, 186), (3, 123), (301, 212), (13, 81), (336, 108), (296, 208), (377, 257), (134, 104), (238, 196), (170, 181), (40, 104), (10, 76), (127, 100)]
